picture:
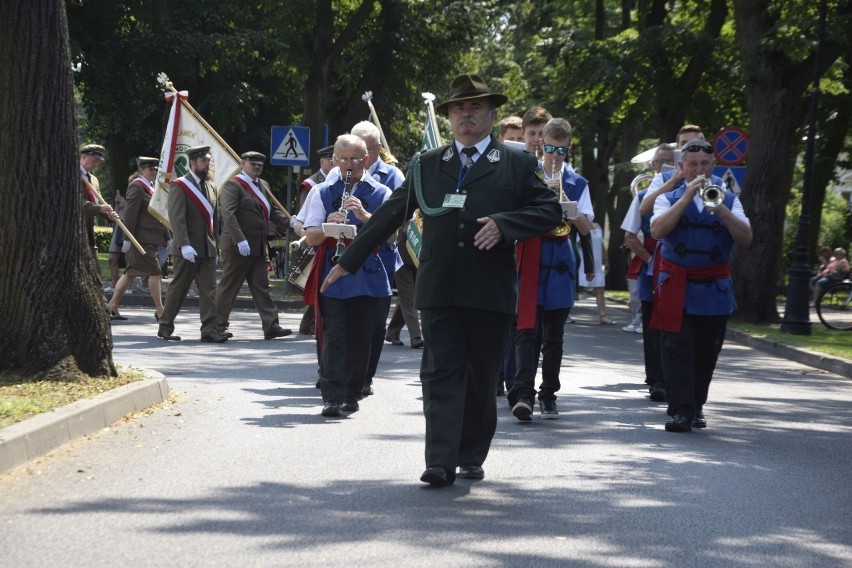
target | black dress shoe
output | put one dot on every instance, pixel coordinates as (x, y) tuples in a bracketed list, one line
[(276, 332), (214, 337), (349, 405), (168, 336), (438, 476), (471, 472), (679, 423), (417, 343), (698, 420), (114, 315), (331, 408), (367, 390), (657, 392), (396, 342), (226, 333)]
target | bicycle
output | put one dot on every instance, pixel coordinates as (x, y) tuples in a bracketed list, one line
[(834, 305)]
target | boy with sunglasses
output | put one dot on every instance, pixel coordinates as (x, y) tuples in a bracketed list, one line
[(547, 283)]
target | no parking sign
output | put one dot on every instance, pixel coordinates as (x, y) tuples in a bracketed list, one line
[(730, 146)]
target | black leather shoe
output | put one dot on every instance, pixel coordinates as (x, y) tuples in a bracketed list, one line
[(657, 392), (367, 390), (417, 343), (349, 405), (168, 336), (276, 332), (226, 333), (698, 420), (395, 342), (331, 408), (471, 472), (438, 476), (679, 423), (213, 337)]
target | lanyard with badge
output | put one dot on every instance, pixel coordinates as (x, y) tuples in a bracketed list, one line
[(456, 200)]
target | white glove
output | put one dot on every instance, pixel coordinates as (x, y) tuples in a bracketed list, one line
[(188, 253), (244, 248), (125, 247)]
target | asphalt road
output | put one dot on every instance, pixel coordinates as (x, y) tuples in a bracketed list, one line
[(241, 470)]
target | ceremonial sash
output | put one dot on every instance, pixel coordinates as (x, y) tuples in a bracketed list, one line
[(143, 183), (529, 263), (253, 190), (668, 307), (90, 191), (200, 201), (635, 266)]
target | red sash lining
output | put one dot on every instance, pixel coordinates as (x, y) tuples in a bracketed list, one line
[(195, 199), (254, 196), (529, 264), (144, 186), (669, 307)]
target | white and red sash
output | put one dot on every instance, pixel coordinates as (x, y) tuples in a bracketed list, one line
[(143, 183), (198, 198), (255, 192), (90, 190)]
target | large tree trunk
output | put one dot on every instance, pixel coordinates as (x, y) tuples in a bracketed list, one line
[(54, 319), (775, 87)]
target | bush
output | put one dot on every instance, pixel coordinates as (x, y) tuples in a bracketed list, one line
[(103, 235)]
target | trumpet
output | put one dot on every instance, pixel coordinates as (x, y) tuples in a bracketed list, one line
[(711, 194), (555, 183), (341, 241)]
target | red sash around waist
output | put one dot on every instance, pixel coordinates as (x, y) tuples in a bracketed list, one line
[(635, 266), (668, 307)]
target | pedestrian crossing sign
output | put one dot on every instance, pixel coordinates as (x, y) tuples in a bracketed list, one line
[(290, 145)]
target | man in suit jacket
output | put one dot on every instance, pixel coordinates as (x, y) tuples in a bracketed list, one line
[(192, 213), (246, 213), (477, 198)]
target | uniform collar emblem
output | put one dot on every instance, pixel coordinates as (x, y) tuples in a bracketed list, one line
[(448, 155), (493, 155)]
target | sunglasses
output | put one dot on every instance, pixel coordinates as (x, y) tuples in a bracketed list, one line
[(561, 150), (698, 147)]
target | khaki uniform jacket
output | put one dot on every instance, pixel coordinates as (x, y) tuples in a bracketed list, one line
[(242, 217), (189, 226), (503, 184), (89, 209), (141, 224)]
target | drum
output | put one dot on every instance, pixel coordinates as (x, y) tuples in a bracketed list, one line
[(299, 276)]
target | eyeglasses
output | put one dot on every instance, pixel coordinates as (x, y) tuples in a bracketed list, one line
[(561, 150), (698, 146), (353, 161)]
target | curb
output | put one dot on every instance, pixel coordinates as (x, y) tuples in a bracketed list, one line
[(819, 361), (36, 436)]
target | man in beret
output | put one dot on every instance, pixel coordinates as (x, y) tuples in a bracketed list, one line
[(194, 219), (246, 212), (91, 155), (477, 198)]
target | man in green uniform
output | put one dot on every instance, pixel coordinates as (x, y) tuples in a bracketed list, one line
[(477, 198)]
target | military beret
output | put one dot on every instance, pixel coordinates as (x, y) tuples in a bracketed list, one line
[(143, 161), (254, 157), (326, 152), (93, 150), (198, 152)]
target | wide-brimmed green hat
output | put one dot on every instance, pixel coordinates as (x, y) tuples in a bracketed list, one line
[(470, 86)]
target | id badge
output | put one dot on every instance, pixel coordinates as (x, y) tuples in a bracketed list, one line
[(455, 200)]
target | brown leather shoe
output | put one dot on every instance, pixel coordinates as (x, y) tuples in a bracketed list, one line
[(276, 332), (214, 337), (416, 343)]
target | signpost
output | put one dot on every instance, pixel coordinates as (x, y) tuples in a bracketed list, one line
[(289, 147)]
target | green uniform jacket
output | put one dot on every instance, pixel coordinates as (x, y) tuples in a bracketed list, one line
[(504, 185), (141, 224), (242, 218), (189, 226)]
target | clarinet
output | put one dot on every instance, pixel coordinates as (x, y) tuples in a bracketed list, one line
[(347, 191)]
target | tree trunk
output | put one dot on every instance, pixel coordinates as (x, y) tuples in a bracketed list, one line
[(775, 89), (54, 319)]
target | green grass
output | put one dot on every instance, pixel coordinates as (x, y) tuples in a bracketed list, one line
[(822, 340)]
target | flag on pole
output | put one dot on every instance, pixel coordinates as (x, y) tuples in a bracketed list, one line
[(368, 97), (431, 135), (431, 139), (186, 129)]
